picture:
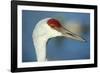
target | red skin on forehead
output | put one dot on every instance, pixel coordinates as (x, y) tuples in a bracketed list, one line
[(54, 23)]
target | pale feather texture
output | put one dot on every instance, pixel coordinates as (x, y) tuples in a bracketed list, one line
[(41, 33)]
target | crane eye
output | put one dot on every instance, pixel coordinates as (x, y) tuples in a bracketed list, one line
[(53, 26)]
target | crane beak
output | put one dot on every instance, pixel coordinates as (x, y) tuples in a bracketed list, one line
[(68, 34), (73, 36)]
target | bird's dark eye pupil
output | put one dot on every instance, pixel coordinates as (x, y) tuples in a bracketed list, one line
[(52, 26)]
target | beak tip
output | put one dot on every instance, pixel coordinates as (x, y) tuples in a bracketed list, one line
[(83, 40)]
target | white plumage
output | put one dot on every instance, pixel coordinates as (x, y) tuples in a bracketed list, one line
[(41, 33)]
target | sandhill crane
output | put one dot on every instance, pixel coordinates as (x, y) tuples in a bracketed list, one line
[(48, 28)]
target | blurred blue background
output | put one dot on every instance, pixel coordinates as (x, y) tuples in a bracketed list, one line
[(57, 48)]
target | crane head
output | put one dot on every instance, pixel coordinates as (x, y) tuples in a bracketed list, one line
[(56, 25)]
